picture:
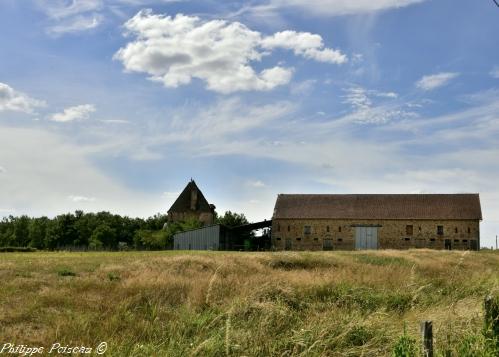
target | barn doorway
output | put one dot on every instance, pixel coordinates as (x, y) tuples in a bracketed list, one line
[(448, 245), (366, 238), (287, 245)]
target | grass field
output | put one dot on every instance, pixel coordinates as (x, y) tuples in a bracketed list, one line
[(244, 304)]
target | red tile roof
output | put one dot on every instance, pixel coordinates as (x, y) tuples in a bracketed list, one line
[(378, 206)]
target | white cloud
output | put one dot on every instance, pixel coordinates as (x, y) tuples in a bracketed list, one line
[(387, 94), (304, 44), (174, 50), (256, 183), (495, 72), (81, 198), (366, 112), (72, 16), (44, 182), (59, 9), (76, 24), (434, 81), (335, 7), (13, 100), (2, 170), (74, 113)]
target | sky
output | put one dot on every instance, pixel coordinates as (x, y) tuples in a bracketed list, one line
[(116, 104)]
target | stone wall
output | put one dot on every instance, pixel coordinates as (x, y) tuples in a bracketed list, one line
[(206, 218), (329, 234)]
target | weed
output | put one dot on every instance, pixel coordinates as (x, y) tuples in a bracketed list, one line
[(65, 272)]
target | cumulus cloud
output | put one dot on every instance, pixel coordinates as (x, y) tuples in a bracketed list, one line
[(434, 81), (495, 72), (337, 7), (74, 113), (304, 44), (174, 50), (13, 100)]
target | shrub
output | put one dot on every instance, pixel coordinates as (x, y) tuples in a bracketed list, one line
[(405, 346), (17, 249), (65, 272)]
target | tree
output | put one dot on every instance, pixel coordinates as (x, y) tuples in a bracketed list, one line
[(38, 232), (21, 231), (232, 219), (103, 235)]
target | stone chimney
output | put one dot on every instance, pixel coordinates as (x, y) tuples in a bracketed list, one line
[(194, 199)]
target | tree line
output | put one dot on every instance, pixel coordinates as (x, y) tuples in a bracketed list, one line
[(98, 231)]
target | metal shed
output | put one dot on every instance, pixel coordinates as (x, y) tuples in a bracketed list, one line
[(220, 237)]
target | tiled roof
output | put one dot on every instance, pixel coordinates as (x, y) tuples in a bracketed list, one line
[(183, 201), (379, 206)]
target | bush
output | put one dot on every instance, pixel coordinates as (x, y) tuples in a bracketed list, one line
[(17, 249)]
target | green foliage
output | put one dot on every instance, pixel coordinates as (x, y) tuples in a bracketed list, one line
[(17, 249), (105, 235), (491, 320), (405, 346), (65, 272), (37, 232), (358, 336), (113, 276), (151, 239), (77, 230), (232, 219)]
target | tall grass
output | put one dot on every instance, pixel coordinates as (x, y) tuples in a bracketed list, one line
[(246, 304)]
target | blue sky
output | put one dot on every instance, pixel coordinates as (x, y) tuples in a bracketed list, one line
[(116, 104)]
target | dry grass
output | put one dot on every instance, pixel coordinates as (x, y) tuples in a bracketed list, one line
[(243, 304)]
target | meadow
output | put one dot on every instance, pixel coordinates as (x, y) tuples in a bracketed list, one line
[(246, 304)]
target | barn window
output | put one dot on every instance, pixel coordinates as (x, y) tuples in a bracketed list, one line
[(307, 229), (465, 241), (339, 229), (316, 238), (298, 238), (340, 239), (469, 230), (408, 230), (455, 230), (456, 240), (289, 228), (440, 230), (419, 229), (327, 229), (278, 227), (432, 239), (407, 238), (278, 238)]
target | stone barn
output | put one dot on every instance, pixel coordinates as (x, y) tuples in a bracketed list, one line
[(191, 204), (376, 221)]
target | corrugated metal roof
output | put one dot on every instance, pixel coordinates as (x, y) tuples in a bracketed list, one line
[(378, 206)]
